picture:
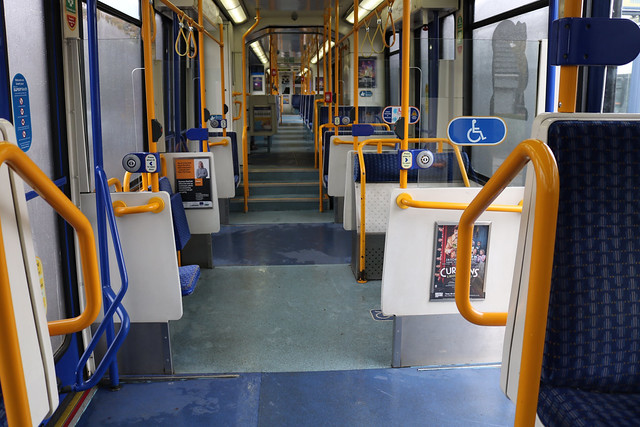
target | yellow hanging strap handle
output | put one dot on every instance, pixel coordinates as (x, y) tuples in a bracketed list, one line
[(367, 36), (380, 31), (388, 23), (191, 41)]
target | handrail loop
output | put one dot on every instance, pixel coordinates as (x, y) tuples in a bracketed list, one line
[(11, 370), (543, 245), (36, 179), (115, 182), (112, 302), (154, 205)]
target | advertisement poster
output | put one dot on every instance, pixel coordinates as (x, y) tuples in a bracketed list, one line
[(444, 263), (193, 182), (366, 73), (262, 118), (256, 85)]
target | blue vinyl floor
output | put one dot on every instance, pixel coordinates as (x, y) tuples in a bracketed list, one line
[(387, 397)]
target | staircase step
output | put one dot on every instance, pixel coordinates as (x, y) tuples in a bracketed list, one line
[(262, 174), (285, 202), (309, 189)]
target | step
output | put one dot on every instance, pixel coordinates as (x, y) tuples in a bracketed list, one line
[(309, 189), (285, 202), (266, 174)]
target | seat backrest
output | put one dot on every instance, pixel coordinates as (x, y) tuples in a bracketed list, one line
[(383, 167), (593, 324)]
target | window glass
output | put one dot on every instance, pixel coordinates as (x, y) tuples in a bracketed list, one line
[(484, 9), (128, 7), (121, 90), (505, 79)]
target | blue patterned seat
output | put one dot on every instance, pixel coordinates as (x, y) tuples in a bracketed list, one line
[(591, 366), (189, 274), (383, 167)]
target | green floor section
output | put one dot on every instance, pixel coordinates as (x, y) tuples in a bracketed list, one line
[(280, 319)]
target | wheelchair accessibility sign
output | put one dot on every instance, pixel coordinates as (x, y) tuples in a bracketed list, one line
[(477, 130)]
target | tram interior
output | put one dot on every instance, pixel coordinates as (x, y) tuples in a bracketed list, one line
[(280, 213)]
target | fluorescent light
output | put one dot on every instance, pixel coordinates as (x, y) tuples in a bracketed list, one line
[(257, 49), (235, 10), (320, 54), (364, 9)]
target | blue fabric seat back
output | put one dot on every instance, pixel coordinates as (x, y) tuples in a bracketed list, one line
[(593, 327), (384, 167), (180, 225), (165, 185)]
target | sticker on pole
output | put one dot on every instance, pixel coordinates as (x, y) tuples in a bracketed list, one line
[(477, 130), (392, 114)]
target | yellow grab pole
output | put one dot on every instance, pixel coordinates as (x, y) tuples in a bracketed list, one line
[(222, 86), (14, 388), (355, 62), (406, 49), (245, 154), (203, 94), (542, 251), (568, 87), (148, 82)]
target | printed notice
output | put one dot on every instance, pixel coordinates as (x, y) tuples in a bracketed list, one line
[(444, 263), (193, 182)]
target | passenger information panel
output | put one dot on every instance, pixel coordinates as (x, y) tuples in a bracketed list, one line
[(193, 182)]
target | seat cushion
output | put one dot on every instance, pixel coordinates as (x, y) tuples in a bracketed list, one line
[(574, 407), (189, 275)]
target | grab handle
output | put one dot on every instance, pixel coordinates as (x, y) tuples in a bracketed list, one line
[(154, 205)]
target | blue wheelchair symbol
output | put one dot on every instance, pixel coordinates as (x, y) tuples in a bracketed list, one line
[(477, 130)]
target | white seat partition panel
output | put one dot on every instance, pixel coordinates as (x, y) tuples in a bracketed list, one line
[(148, 245), (408, 272), (338, 161), (207, 220), (223, 166), (30, 314)]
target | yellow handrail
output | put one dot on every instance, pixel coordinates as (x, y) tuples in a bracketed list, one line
[(315, 129), (405, 201), (239, 112), (154, 205), (245, 148), (222, 85), (11, 368), (126, 186), (543, 242), (217, 143), (115, 182)]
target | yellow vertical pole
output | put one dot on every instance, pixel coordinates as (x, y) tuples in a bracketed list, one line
[(406, 41), (336, 71), (147, 40), (222, 86), (14, 388), (324, 57), (356, 30), (245, 154), (568, 86), (203, 94)]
